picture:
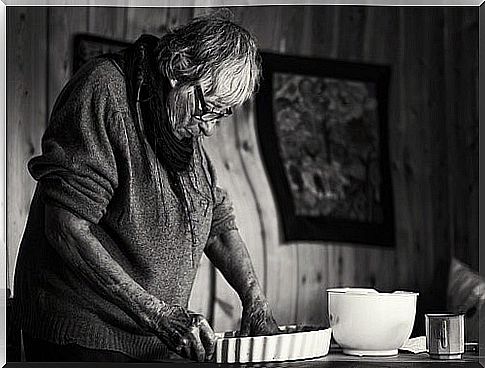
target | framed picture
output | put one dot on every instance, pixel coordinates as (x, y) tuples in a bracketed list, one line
[(87, 46), (322, 127)]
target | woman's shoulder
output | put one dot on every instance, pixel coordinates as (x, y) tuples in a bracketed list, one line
[(97, 86), (99, 82), (100, 72)]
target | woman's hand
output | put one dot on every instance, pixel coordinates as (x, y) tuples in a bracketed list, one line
[(187, 334), (257, 319)]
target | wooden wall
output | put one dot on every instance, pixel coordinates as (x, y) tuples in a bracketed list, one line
[(433, 124)]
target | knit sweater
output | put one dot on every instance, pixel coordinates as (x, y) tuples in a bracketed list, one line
[(92, 164)]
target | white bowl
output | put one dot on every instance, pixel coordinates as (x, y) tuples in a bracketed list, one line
[(290, 345), (368, 323)]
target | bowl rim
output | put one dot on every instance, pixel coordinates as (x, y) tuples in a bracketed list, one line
[(369, 292)]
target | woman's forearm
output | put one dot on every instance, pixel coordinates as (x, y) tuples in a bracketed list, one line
[(229, 254), (73, 240)]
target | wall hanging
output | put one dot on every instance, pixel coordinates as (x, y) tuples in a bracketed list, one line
[(322, 127)]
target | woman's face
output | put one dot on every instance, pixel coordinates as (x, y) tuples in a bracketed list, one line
[(205, 117)]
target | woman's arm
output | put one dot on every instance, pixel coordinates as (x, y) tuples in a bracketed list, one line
[(73, 240), (229, 254)]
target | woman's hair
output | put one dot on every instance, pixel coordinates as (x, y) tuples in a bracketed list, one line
[(215, 53)]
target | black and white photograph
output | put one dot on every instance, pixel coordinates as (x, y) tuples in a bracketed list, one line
[(257, 184)]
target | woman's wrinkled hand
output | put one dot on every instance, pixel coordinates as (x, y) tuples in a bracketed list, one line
[(257, 319), (186, 333)]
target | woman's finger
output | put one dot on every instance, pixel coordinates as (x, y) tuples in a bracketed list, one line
[(172, 339), (186, 352), (245, 327), (197, 348), (208, 338)]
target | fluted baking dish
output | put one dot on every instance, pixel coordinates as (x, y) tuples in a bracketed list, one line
[(290, 344)]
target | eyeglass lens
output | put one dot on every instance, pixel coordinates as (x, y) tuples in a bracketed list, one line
[(208, 115)]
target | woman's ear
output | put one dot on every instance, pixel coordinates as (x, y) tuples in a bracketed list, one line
[(173, 82)]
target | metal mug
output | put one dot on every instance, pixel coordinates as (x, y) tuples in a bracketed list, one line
[(445, 335)]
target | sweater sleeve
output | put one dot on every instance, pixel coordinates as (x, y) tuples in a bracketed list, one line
[(223, 218), (77, 167)]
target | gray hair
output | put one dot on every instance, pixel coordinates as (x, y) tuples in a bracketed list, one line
[(214, 52)]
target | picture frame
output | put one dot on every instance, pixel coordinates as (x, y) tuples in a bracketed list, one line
[(322, 128), (87, 46)]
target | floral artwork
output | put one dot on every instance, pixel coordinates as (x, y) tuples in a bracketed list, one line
[(322, 128), (328, 134)]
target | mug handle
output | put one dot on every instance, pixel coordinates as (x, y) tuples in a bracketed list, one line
[(443, 335)]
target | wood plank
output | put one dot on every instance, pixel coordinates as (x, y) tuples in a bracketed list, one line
[(254, 225), (326, 41), (64, 23), (311, 258), (326, 31), (281, 266), (3, 161), (381, 29), (107, 21), (462, 119), (255, 19), (423, 153), (470, 113), (437, 218), (399, 167), (352, 24), (417, 145), (415, 254), (246, 150), (312, 283), (145, 20), (368, 266), (201, 11), (315, 270), (227, 310), (156, 21), (295, 18), (223, 149), (472, 188), (405, 156), (349, 47), (450, 32), (26, 115), (179, 16)]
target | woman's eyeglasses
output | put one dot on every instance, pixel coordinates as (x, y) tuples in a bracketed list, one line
[(207, 114)]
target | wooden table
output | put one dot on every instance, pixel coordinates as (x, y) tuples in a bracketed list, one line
[(330, 361), (402, 360), (337, 360)]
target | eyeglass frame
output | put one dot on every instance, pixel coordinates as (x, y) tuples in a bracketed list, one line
[(199, 95)]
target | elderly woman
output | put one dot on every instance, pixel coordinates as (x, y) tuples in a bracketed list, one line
[(127, 200)]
